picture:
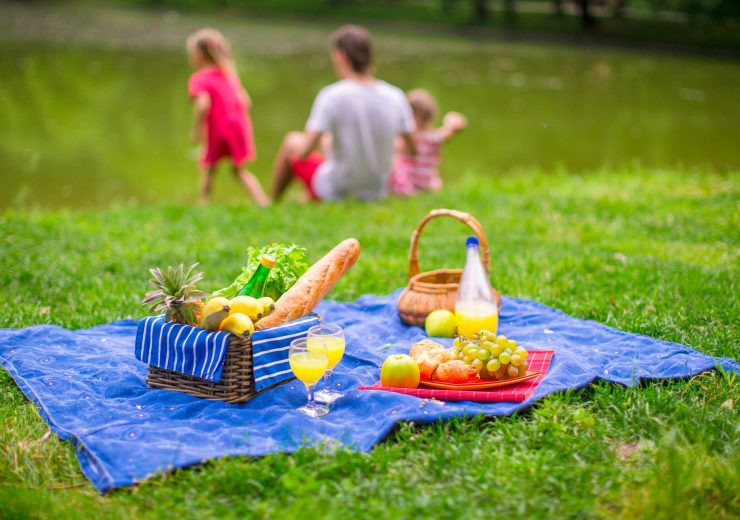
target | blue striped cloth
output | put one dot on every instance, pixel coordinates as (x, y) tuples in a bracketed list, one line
[(181, 348), (270, 349), (197, 352)]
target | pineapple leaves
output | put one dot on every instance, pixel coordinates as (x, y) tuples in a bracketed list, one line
[(175, 293)]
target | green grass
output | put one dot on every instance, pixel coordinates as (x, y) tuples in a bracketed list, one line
[(651, 252)]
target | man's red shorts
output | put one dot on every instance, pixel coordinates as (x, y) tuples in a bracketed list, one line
[(305, 170)]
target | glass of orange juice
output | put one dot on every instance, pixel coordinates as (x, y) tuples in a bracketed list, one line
[(308, 367), (327, 338)]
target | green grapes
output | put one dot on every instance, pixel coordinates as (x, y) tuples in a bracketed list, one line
[(487, 334), (493, 357)]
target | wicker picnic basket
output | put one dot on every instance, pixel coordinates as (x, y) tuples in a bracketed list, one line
[(236, 384), (432, 290)]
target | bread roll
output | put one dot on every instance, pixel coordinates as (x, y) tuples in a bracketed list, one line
[(428, 355), (425, 345), (455, 371), (315, 283)]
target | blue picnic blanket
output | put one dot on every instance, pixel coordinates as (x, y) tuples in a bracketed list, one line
[(92, 391)]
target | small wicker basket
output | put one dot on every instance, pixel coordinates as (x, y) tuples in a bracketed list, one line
[(436, 289)]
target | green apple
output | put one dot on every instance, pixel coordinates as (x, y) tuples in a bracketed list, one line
[(440, 324), (399, 371)]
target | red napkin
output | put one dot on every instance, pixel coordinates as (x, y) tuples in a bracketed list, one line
[(539, 361)]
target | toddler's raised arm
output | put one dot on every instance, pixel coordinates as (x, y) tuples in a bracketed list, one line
[(452, 123)]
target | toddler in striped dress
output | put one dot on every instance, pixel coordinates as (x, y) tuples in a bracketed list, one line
[(416, 173)]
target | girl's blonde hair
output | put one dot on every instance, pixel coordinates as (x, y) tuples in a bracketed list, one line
[(214, 48), (423, 104)]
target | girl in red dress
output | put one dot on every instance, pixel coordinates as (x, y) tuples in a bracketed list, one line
[(221, 119)]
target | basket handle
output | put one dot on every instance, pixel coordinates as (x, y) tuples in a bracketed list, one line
[(463, 217)]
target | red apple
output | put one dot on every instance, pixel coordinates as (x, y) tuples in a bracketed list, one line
[(399, 371)]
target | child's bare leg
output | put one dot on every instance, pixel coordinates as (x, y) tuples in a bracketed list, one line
[(282, 173), (206, 182), (251, 185)]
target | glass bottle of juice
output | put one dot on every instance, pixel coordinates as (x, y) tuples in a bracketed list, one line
[(256, 284), (475, 308)]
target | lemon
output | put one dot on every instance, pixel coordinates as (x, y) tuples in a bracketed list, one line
[(268, 305), (238, 324), (213, 313), (246, 305)]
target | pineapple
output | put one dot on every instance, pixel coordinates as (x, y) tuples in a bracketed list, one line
[(175, 294)]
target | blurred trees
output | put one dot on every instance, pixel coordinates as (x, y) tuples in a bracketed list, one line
[(693, 11)]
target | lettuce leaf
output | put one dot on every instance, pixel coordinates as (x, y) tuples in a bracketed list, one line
[(290, 264)]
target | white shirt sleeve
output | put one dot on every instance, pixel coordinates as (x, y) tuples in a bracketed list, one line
[(320, 119)]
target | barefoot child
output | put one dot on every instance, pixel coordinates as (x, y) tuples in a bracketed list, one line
[(415, 173), (221, 122)]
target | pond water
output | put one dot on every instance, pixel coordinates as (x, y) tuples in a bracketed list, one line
[(86, 125)]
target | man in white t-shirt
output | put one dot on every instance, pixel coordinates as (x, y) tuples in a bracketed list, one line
[(360, 116)]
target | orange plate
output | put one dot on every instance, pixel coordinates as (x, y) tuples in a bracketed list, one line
[(481, 385)]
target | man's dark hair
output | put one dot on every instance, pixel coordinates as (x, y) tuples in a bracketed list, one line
[(355, 43)]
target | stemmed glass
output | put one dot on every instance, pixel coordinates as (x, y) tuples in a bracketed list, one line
[(308, 367), (327, 338)]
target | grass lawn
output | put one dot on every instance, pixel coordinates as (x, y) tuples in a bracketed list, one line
[(651, 252)]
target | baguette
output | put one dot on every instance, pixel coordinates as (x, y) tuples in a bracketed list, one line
[(315, 283)]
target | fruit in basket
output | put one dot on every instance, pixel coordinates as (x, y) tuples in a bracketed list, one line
[(238, 324), (213, 313), (399, 371), (440, 323), (246, 305), (493, 357), (175, 293), (268, 305)]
